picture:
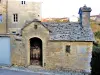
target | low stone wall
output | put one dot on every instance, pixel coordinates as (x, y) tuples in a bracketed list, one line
[(18, 52)]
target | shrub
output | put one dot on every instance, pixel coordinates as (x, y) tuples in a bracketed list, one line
[(95, 61), (97, 34)]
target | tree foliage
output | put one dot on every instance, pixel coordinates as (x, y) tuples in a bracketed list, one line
[(95, 61), (97, 34)]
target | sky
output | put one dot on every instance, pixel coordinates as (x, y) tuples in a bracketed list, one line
[(67, 8)]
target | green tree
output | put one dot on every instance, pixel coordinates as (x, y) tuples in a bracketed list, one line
[(97, 34)]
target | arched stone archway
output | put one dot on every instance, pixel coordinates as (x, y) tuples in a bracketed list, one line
[(36, 51)]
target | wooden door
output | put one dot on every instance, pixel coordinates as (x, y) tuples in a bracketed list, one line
[(36, 52)]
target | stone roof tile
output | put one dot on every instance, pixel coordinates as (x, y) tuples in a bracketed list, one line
[(69, 32)]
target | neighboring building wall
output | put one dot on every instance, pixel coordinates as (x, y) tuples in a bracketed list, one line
[(98, 19), (93, 17), (73, 19), (26, 12), (3, 16)]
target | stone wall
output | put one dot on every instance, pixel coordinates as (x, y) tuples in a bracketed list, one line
[(78, 58), (18, 51), (54, 52), (21, 44), (3, 12), (26, 12)]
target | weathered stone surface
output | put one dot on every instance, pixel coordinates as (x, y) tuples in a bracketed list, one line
[(18, 51), (3, 13), (55, 37), (69, 32), (54, 52), (26, 12)]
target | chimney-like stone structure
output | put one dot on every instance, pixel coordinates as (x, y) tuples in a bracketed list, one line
[(84, 13)]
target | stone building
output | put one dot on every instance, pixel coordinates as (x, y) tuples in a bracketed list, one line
[(25, 40)]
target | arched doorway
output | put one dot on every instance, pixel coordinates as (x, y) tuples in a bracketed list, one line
[(36, 51)]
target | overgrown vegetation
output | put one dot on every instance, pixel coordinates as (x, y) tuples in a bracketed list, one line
[(97, 34), (95, 61)]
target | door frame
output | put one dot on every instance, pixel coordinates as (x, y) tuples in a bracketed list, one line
[(28, 50), (36, 40)]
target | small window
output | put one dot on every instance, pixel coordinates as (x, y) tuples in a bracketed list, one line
[(68, 48), (15, 17), (14, 32), (23, 2), (35, 26), (0, 18)]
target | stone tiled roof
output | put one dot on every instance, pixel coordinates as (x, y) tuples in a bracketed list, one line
[(69, 31)]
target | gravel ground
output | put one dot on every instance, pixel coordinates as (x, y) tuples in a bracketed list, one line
[(36, 69)]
